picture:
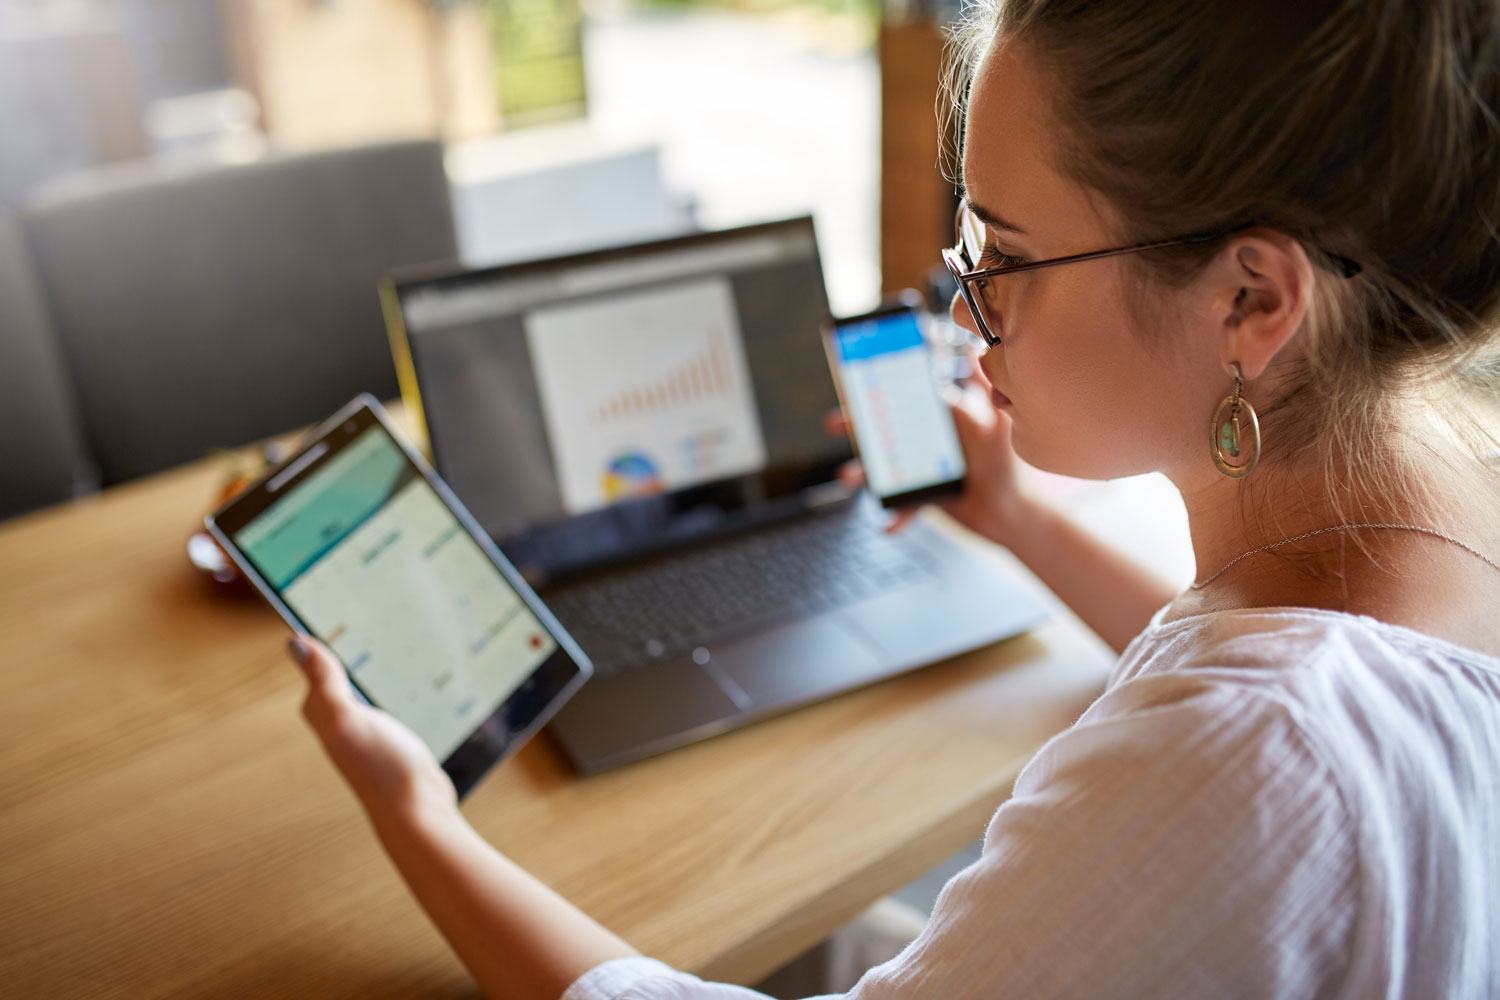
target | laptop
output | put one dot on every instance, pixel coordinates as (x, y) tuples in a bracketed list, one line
[(640, 429)]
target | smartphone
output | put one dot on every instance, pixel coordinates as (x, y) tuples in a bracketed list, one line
[(903, 431)]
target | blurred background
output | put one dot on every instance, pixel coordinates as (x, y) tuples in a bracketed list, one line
[(187, 185)]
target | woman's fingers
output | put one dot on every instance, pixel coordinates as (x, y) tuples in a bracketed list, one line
[(965, 423), (324, 672), (975, 422), (328, 690), (900, 520), (851, 473)]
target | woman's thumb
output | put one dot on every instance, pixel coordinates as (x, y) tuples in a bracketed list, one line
[(971, 426), (325, 676)]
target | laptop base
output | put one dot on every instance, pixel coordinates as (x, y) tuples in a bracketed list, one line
[(964, 603)]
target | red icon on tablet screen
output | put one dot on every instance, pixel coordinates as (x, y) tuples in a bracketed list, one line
[(536, 641)]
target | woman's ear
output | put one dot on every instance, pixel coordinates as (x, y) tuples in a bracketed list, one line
[(1261, 286)]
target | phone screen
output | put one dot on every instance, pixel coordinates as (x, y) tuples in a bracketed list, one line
[(904, 431)]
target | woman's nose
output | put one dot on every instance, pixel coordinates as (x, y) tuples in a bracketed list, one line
[(958, 310), (960, 313)]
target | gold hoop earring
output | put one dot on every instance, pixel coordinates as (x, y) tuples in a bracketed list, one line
[(1234, 452)]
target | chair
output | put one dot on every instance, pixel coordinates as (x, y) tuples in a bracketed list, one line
[(41, 451), (550, 191), (212, 306)]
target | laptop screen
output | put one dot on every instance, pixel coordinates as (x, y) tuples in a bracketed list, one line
[(599, 405)]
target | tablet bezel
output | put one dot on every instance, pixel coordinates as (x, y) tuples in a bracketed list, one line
[(530, 705)]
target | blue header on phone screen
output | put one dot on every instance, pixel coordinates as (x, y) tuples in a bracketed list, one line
[(906, 436), (884, 335)]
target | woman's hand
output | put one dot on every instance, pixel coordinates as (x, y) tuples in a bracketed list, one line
[(995, 500), (387, 765), (518, 938)]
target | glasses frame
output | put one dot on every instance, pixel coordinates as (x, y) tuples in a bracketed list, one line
[(967, 275)]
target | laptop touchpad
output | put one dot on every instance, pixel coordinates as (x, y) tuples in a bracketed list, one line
[(798, 661)]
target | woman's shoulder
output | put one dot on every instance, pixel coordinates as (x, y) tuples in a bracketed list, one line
[(1201, 703), (1335, 684), (1188, 813), (1290, 740), (1209, 703), (1296, 713), (1268, 778), (1282, 647), (1283, 713)]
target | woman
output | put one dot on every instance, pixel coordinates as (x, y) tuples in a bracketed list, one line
[(1289, 787)]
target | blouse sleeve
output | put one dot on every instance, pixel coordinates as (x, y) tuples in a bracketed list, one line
[(1181, 840)]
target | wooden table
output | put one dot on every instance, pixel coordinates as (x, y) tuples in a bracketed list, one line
[(169, 827)]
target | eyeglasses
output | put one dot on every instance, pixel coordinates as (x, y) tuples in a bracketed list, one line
[(976, 286)]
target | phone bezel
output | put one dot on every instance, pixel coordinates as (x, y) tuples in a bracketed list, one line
[(906, 303)]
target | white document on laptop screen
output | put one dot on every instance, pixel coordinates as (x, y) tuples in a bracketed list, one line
[(645, 392)]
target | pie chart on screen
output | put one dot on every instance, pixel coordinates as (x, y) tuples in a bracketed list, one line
[(631, 474)]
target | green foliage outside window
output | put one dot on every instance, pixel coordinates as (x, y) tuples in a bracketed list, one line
[(539, 59)]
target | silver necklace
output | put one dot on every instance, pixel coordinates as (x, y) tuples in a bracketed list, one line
[(1347, 527)]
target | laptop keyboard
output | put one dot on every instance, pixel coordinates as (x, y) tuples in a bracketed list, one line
[(637, 616)]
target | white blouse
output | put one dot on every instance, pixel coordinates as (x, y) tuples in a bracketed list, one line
[(1263, 803)]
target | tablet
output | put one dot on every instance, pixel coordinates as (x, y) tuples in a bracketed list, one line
[(355, 540)]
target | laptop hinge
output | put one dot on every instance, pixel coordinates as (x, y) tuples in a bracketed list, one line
[(827, 494)]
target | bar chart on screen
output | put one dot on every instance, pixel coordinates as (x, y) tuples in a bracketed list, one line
[(644, 392), (705, 376)]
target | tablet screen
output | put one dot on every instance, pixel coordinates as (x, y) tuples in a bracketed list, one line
[(372, 560)]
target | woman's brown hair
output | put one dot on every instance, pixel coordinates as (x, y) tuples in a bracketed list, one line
[(1366, 129)]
